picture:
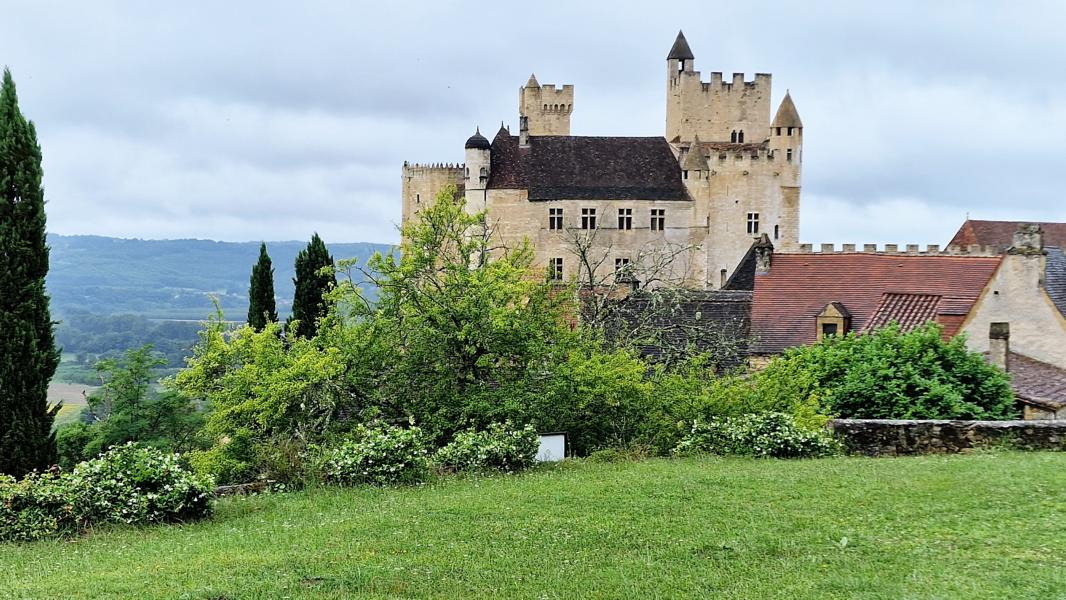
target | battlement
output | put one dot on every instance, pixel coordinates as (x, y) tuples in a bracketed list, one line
[(896, 249), (426, 169), (726, 155), (717, 82)]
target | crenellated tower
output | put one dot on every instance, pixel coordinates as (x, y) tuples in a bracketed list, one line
[(718, 111), (544, 109)]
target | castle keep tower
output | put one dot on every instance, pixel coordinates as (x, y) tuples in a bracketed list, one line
[(718, 111)]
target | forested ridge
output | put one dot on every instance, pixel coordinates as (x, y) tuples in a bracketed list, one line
[(113, 294)]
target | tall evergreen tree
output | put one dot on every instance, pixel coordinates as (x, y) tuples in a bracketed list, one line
[(28, 356), (311, 284), (261, 306)]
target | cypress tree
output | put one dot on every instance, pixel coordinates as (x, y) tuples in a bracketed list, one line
[(308, 304), (28, 356), (261, 306)]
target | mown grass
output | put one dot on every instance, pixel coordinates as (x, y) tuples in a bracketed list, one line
[(979, 526)]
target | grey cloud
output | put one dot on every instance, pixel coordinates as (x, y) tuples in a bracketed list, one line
[(253, 120)]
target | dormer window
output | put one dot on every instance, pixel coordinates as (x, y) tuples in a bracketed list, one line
[(833, 320)]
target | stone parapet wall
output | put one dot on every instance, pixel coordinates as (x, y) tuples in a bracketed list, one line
[(884, 437)]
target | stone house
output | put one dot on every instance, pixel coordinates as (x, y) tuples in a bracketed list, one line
[(1024, 306), (1009, 298), (724, 172)]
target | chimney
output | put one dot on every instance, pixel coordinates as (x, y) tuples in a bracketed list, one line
[(764, 251), (1028, 239), (999, 345), (523, 131)]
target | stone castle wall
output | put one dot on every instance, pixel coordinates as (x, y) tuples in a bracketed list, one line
[(422, 183), (515, 218)]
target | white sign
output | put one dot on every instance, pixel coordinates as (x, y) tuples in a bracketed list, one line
[(552, 447)]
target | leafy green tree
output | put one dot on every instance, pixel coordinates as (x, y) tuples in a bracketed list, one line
[(127, 408), (464, 332), (28, 356), (256, 382), (261, 305), (314, 279), (890, 374)]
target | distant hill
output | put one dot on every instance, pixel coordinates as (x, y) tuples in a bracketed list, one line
[(169, 279)]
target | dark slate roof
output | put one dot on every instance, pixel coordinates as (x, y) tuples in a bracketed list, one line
[(1055, 277), (743, 277), (1037, 382), (477, 141), (1000, 234), (717, 322), (799, 286), (680, 49), (587, 168), (909, 311)]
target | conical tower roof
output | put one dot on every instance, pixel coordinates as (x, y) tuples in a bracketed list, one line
[(695, 160), (787, 115), (532, 81), (680, 49)]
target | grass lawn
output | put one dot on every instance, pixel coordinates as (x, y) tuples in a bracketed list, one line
[(977, 526)]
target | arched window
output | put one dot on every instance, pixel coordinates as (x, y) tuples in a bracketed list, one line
[(740, 136), (733, 136)]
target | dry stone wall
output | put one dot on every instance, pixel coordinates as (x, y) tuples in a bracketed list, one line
[(884, 437)]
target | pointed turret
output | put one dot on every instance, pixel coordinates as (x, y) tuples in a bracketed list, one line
[(532, 81), (680, 49), (694, 159), (787, 115)]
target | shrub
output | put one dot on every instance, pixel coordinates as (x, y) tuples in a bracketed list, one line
[(38, 506), (890, 374), (231, 461), (766, 435), (133, 484), (128, 484), (377, 455), (501, 447)]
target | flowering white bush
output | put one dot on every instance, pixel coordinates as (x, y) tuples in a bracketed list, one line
[(501, 447), (377, 455), (127, 484), (134, 484), (763, 435)]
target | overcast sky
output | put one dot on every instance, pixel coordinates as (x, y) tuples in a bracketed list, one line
[(258, 120)]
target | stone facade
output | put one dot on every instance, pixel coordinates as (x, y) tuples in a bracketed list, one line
[(736, 173), (1018, 294), (877, 437)]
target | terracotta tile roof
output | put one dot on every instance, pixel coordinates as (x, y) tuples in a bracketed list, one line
[(1037, 382), (587, 168), (1000, 234), (908, 310), (799, 286)]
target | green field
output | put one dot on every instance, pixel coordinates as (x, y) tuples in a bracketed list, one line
[(988, 525)]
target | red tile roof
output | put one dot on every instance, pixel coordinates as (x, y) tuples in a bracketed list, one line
[(1001, 234), (799, 286), (908, 310)]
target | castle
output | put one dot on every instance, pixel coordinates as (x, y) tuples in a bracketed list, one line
[(723, 175)]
